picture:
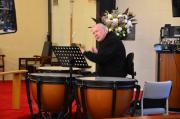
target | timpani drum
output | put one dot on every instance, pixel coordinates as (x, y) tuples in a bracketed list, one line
[(52, 90), (105, 97)]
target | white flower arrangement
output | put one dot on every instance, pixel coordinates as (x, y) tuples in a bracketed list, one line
[(119, 23)]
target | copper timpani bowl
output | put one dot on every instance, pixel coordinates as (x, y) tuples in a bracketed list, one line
[(52, 90), (105, 97)]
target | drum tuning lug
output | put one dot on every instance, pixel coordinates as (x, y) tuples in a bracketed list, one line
[(114, 86)]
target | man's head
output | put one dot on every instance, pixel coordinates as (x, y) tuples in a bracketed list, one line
[(99, 31)]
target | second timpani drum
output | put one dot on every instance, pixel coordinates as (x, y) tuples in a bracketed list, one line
[(105, 97)]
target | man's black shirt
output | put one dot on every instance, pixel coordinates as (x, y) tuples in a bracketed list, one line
[(111, 56)]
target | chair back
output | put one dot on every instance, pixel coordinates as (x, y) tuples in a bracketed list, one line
[(47, 48), (2, 64), (46, 53), (130, 64), (157, 90)]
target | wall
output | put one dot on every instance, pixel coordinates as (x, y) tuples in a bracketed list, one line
[(30, 35), (151, 16), (83, 11)]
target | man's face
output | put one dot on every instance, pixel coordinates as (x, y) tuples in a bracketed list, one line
[(98, 32)]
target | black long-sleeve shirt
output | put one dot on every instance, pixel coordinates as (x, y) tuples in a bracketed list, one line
[(111, 56)]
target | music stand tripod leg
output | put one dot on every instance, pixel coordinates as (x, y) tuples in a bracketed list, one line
[(78, 109), (64, 113)]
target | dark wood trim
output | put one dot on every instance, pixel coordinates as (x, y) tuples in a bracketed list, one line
[(174, 109), (49, 34), (158, 67), (102, 5)]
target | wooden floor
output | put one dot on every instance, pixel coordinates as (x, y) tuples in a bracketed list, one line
[(175, 116)]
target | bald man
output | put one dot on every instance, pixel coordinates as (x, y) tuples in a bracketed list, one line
[(110, 55)]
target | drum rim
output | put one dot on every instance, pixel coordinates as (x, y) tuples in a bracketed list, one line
[(50, 79), (107, 84), (57, 75), (47, 79), (130, 79)]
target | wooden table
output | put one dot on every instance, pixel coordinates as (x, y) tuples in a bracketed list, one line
[(174, 116), (16, 88)]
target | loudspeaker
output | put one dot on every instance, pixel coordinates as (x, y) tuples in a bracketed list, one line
[(176, 8)]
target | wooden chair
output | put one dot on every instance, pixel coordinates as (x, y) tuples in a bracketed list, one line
[(28, 63), (32, 63), (2, 64)]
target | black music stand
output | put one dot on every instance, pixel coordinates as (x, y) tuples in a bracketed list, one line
[(70, 56)]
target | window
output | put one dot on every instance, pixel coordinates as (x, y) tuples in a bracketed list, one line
[(7, 17)]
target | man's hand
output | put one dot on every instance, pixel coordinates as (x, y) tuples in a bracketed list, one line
[(94, 50), (82, 49)]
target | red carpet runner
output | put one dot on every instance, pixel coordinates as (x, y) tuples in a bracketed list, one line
[(6, 111)]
